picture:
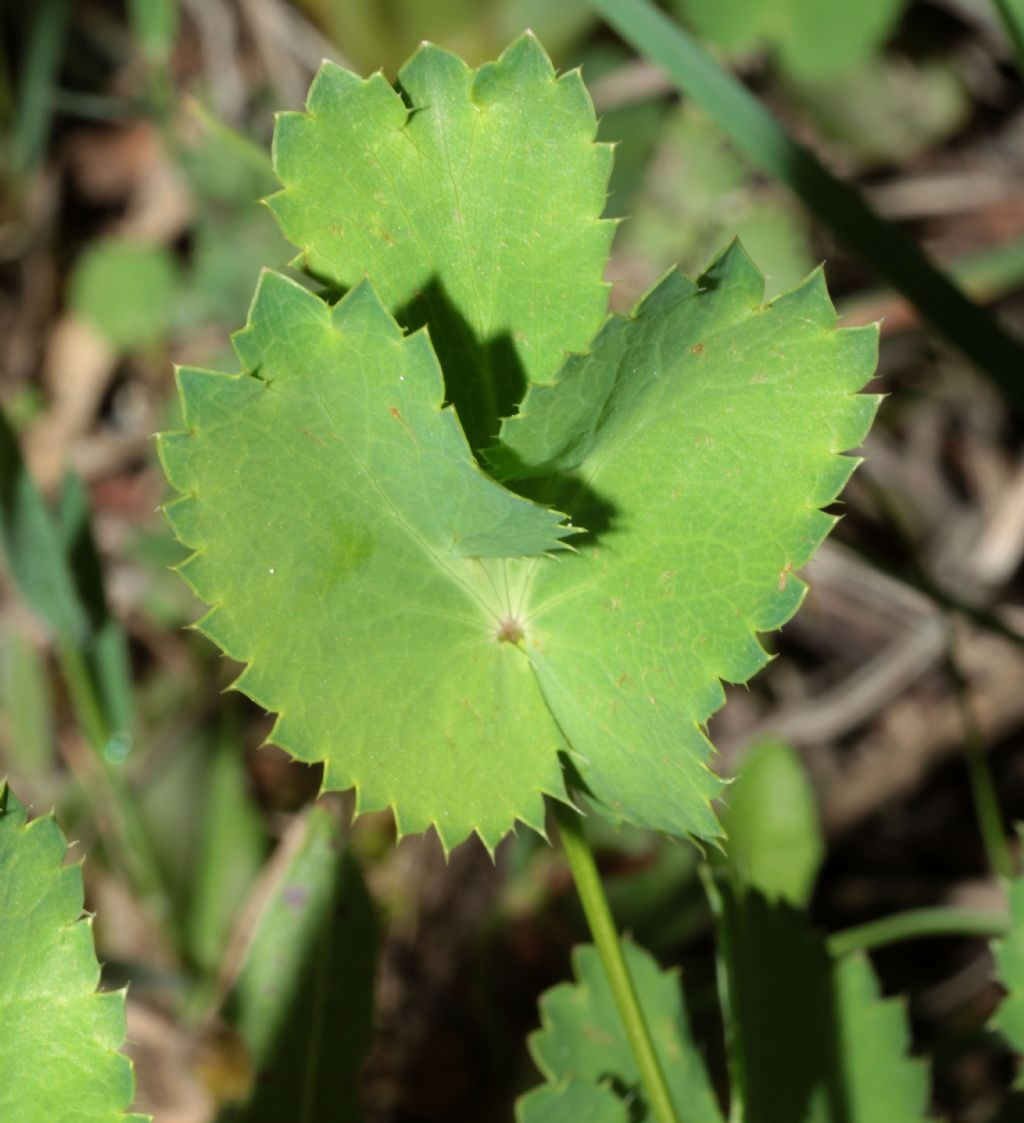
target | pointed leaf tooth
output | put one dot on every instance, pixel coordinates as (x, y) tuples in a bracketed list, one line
[(858, 355), (283, 316), (810, 301), (174, 453), (184, 519), (735, 276)]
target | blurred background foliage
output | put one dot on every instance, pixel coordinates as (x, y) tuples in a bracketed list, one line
[(134, 149)]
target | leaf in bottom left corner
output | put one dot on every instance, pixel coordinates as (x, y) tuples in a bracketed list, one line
[(59, 1037)]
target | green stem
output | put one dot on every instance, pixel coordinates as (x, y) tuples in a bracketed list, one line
[(1012, 13), (766, 143), (916, 924), (606, 938), (983, 788)]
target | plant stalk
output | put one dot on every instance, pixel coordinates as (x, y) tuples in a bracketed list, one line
[(763, 140), (915, 924), (606, 938), (983, 788)]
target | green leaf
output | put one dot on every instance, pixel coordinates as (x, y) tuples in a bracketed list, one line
[(59, 1047), (476, 211), (811, 38), (771, 822), (399, 610), (304, 1000), (1009, 957), (571, 1102), (811, 1041), (33, 548), (583, 1040), (340, 524), (27, 704), (125, 290), (106, 652), (231, 850), (705, 433)]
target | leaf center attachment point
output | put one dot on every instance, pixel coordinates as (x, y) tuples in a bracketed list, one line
[(510, 630)]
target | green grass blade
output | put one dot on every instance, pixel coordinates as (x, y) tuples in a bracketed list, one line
[(304, 1000), (33, 548), (36, 86), (766, 143), (1012, 13)]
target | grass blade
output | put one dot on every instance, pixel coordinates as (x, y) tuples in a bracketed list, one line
[(766, 143)]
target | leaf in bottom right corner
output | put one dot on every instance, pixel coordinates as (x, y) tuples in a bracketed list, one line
[(1009, 956), (811, 1040)]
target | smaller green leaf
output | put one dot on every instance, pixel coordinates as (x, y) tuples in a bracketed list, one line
[(125, 290), (771, 823), (572, 1101), (582, 1039), (59, 1046), (472, 199), (1009, 956), (304, 1000)]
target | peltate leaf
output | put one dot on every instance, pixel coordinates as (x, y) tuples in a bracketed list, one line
[(340, 525), (59, 1046), (700, 437), (811, 1041), (402, 612), (583, 1041), (473, 205), (1009, 956)]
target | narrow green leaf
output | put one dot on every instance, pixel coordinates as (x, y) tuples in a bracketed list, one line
[(339, 523), (230, 854), (705, 434), (107, 651), (304, 1000), (1009, 956), (59, 1046), (475, 208), (40, 67), (27, 705), (572, 1101), (583, 1041), (811, 1042), (771, 821), (33, 548)]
